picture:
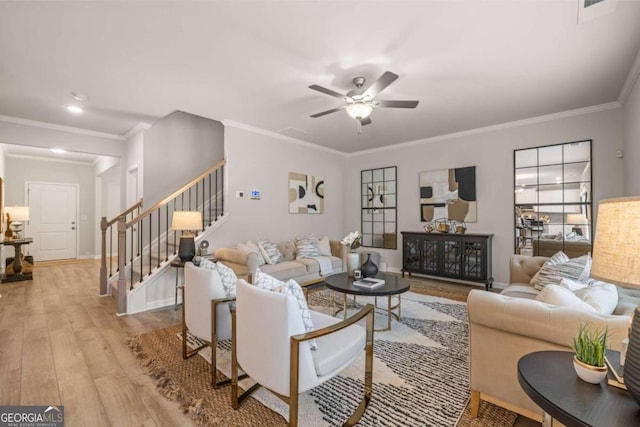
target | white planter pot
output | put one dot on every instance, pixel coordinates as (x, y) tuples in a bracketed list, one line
[(353, 262), (588, 373)]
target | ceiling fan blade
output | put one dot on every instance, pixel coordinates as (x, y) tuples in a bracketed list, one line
[(397, 104), (378, 86), (327, 91), (365, 121), (324, 113)]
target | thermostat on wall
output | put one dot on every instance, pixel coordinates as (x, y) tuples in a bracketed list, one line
[(255, 194)]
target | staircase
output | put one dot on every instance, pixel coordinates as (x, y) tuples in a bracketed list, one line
[(138, 247)]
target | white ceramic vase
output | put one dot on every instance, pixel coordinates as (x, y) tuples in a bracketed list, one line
[(588, 373), (353, 262)]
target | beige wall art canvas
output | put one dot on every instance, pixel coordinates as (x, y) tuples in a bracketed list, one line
[(306, 194), (448, 193)]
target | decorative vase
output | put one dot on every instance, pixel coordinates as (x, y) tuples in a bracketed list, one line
[(369, 269), (588, 373), (632, 360), (353, 259)]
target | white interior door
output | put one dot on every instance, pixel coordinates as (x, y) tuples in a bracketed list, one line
[(53, 222)]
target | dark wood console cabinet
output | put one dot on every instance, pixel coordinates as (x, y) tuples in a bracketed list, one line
[(455, 256)]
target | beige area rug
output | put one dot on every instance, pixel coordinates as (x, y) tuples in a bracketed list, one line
[(405, 392)]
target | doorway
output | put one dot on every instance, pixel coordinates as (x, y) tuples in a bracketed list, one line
[(53, 220)]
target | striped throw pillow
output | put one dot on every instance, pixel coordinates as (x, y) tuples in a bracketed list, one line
[(307, 247), (557, 258), (270, 252), (575, 269)]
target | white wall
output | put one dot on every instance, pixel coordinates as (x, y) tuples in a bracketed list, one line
[(3, 175), (22, 170), (632, 142), (177, 148), (133, 161), (492, 154), (256, 160)]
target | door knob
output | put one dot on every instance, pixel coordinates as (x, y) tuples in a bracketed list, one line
[(73, 228)]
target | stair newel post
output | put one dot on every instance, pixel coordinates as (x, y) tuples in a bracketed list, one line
[(122, 281), (103, 260)]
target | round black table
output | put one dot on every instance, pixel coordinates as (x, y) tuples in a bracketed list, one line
[(550, 381), (393, 285)]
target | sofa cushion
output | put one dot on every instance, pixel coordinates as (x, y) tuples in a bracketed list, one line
[(288, 250), (520, 290), (270, 252), (285, 270), (575, 269), (313, 266)]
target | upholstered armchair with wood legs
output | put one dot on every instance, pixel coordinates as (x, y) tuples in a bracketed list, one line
[(271, 346), (205, 313)]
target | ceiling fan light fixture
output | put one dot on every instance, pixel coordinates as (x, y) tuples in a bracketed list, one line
[(359, 110)]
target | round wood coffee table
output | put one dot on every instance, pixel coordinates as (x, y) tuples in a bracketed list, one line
[(393, 285)]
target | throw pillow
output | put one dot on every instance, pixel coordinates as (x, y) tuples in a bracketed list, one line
[(228, 278), (252, 247), (572, 285), (557, 295), (603, 297), (291, 287), (306, 247), (207, 264), (270, 252), (557, 258), (324, 247), (575, 269)]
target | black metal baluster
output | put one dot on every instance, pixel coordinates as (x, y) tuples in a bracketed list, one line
[(216, 195), (222, 189), (166, 236), (174, 231), (150, 240), (209, 199)]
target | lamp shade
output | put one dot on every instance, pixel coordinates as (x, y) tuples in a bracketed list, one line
[(186, 220), (359, 110), (576, 219), (18, 213), (617, 242)]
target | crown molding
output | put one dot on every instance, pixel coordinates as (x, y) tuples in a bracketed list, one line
[(137, 128), (493, 128), (630, 81), (275, 135), (52, 126), (51, 159)]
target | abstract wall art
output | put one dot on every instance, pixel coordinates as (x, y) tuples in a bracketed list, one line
[(306, 194), (448, 193)]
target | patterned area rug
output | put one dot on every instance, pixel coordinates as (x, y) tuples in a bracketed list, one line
[(420, 375)]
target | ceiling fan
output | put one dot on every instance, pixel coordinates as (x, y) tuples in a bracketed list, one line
[(359, 102)]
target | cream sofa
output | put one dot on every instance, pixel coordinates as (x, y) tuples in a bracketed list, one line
[(504, 327), (304, 271)]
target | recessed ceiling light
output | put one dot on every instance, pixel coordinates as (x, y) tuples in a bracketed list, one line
[(79, 96), (58, 150), (74, 109)]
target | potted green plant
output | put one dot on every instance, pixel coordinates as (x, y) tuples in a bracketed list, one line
[(589, 346)]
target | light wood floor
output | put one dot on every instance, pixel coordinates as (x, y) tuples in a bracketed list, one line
[(61, 344)]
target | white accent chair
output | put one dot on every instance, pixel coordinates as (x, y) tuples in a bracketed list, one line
[(202, 295), (269, 345)]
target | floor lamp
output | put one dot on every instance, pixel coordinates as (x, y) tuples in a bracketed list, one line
[(616, 259), (187, 222)]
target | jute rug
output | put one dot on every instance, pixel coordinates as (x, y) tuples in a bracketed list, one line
[(420, 376)]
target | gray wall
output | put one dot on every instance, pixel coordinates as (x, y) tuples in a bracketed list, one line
[(177, 148), (22, 170), (259, 161), (632, 142), (492, 154)]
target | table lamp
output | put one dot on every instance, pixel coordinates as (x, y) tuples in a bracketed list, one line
[(616, 259), (577, 220), (187, 222), (17, 214)]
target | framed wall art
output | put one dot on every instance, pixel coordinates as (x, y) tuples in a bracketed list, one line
[(306, 194), (448, 193)]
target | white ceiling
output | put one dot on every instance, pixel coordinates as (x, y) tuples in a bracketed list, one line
[(470, 63)]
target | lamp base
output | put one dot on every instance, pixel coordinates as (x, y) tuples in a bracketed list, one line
[(187, 248), (632, 360)]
